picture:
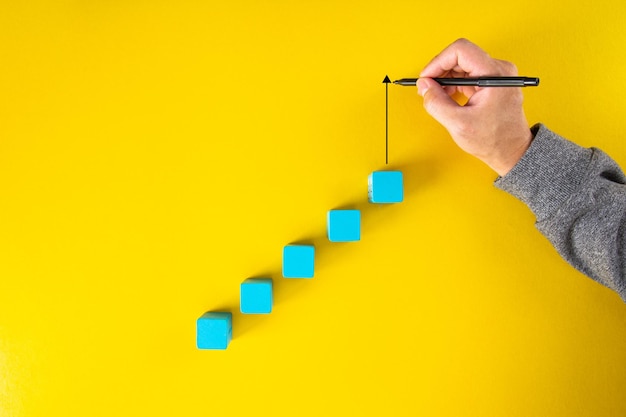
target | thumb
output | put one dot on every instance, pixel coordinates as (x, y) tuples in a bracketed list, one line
[(437, 102)]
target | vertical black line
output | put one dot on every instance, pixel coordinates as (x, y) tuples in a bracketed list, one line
[(386, 123)]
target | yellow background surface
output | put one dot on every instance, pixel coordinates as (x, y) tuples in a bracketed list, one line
[(154, 154)]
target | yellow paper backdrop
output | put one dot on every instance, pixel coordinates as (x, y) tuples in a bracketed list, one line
[(154, 154)]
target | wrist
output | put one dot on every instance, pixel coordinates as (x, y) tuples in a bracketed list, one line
[(503, 163)]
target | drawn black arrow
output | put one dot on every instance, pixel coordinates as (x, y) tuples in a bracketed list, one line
[(386, 81)]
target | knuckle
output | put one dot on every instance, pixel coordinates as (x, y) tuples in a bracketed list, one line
[(508, 68)]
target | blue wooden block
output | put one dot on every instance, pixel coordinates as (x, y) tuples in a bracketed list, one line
[(298, 261), (256, 296), (214, 330), (385, 187), (344, 225)]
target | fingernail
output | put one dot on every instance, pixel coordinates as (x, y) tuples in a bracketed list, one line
[(422, 87)]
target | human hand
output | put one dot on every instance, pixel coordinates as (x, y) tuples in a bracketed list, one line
[(491, 126)]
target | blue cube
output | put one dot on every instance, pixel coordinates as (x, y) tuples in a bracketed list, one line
[(256, 296), (298, 261), (385, 187), (344, 225), (214, 330)]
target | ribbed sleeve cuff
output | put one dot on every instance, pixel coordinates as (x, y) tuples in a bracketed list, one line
[(549, 172)]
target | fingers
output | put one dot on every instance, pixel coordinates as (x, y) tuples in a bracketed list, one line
[(507, 68), (464, 57), (461, 59), (437, 101)]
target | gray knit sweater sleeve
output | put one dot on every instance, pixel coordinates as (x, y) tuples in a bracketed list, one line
[(578, 196)]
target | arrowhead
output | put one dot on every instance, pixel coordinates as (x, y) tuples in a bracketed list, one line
[(386, 80)]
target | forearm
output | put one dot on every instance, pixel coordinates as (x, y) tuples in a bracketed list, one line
[(578, 196)]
